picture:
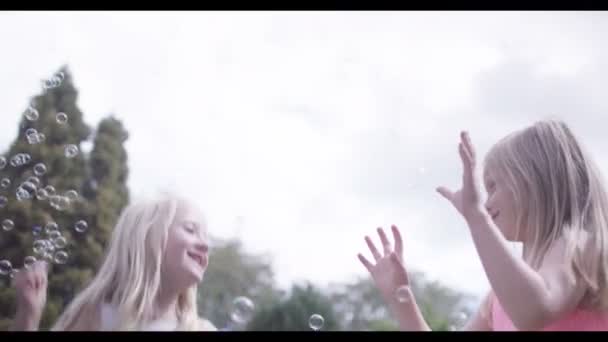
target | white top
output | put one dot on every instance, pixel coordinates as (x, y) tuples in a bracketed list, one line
[(109, 321)]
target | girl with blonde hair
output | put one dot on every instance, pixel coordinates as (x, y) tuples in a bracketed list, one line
[(158, 254), (544, 191)]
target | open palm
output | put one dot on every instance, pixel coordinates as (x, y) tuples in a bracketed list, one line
[(388, 271)]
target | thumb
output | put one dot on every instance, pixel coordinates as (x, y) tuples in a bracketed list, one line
[(445, 192)]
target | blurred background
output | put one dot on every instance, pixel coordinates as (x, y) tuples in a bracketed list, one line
[(297, 133)]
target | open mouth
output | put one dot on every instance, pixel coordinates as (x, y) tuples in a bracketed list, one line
[(198, 258)]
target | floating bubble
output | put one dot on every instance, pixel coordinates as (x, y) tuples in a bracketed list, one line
[(5, 183), (3, 201), (60, 242), (26, 191), (28, 261), (72, 195), (81, 226), (403, 294), (460, 319), (60, 75), (52, 82), (48, 257), (71, 151), (2, 163), (30, 133), (5, 267), (31, 114), (54, 235), (51, 227), (61, 118), (61, 257), (20, 159), (315, 322), (36, 230), (39, 247), (39, 169), (60, 203), (50, 190), (42, 194), (242, 310), (8, 225), (49, 248), (21, 194), (34, 180), (12, 273)]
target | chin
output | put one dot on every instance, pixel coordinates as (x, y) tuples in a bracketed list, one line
[(196, 277)]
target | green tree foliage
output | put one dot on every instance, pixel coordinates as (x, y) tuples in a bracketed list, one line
[(293, 313), (98, 178), (233, 272)]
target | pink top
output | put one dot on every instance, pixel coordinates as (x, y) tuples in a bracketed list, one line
[(579, 320)]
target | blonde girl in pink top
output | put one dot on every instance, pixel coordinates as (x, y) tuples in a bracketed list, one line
[(544, 191)]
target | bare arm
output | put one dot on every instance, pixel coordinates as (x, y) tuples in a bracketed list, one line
[(531, 299)]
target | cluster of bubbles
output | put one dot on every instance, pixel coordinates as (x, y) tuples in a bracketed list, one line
[(54, 81), (49, 242), (243, 309)]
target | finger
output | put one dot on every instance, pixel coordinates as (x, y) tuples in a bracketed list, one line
[(398, 241), (468, 144), (365, 263), (40, 274), (465, 157), (386, 245), (372, 248)]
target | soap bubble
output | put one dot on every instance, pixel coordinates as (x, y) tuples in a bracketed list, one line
[(61, 257), (242, 310), (28, 261), (5, 267), (316, 321), (61, 118), (31, 114), (81, 226), (71, 151), (39, 169), (8, 225)]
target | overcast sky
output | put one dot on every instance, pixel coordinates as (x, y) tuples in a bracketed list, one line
[(300, 132)]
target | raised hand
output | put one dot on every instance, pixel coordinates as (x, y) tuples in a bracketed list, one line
[(31, 289), (387, 271), (467, 200)]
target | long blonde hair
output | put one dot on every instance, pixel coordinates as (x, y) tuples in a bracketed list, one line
[(130, 278), (558, 193)]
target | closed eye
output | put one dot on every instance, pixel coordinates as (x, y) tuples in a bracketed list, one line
[(189, 227)]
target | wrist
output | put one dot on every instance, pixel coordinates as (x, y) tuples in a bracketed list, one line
[(28, 317), (406, 311), (476, 216)]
